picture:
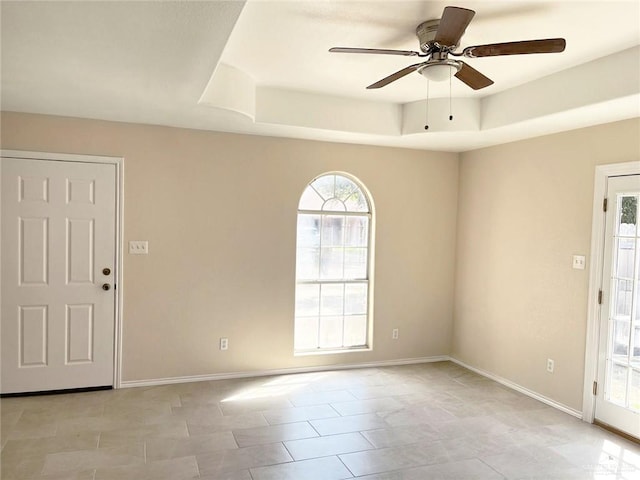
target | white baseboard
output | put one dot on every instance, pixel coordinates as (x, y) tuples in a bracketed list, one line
[(279, 371), (521, 389)]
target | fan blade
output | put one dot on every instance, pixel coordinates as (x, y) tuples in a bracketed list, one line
[(395, 76), (473, 77), (453, 23), (406, 53), (550, 45)]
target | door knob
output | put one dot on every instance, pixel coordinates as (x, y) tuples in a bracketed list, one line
[(106, 286)]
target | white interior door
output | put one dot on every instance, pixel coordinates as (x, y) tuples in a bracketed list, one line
[(618, 396), (58, 240)]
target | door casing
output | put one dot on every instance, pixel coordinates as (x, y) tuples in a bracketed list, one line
[(596, 262), (119, 165)]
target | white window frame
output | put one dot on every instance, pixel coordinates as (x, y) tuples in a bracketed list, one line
[(368, 280)]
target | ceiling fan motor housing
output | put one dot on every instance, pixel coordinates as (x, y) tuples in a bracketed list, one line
[(426, 33)]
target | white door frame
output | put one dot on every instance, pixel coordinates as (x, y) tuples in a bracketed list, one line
[(603, 172), (119, 240)]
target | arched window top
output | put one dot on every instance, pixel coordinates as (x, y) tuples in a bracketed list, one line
[(334, 193)]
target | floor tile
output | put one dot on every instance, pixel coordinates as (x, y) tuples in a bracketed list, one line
[(326, 446), (327, 468), (100, 458), (165, 448), (218, 463), (299, 414), (273, 433), (373, 405), (226, 423), (172, 469), (319, 398), (352, 423)]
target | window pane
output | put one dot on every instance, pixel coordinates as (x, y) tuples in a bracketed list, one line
[(308, 230), (355, 331), (355, 263), (306, 333), (330, 332), (628, 215), (332, 230), (355, 299), (310, 200), (334, 205), (325, 186), (307, 300), (356, 231), (332, 262), (307, 263), (625, 257), (618, 384), (331, 299), (344, 187), (356, 202)]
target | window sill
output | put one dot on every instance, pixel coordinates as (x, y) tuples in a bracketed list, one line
[(337, 351)]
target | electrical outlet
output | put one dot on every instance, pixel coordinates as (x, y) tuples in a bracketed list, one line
[(224, 343), (550, 365), (394, 333), (138, 247)]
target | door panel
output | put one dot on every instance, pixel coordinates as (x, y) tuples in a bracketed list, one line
[(618, 396), (58, 233)]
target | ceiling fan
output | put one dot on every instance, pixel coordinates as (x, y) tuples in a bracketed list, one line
[(438, 40)]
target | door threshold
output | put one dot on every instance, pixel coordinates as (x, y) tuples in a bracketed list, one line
[(57, 392), (614, 430)]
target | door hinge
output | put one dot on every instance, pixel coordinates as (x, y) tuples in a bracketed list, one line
[(599, 297), (595, 388), (604, 205)]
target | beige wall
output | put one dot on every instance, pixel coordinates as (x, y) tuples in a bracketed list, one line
[(524, 209), (219, 212)]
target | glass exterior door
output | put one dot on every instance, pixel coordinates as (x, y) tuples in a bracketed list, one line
[(618, 397)]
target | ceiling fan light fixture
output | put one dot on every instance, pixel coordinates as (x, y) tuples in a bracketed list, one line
[(440, 71)]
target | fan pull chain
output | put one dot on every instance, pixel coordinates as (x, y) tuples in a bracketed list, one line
[(450, 110), (426, 126)]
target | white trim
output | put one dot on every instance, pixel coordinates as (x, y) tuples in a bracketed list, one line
[(521, 389), (602, 174), (119, 164), (280, 371)]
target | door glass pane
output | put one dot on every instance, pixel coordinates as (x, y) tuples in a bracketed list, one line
[(355, 330), (618, 384), (623, 297), (307, 300), (634, 391), (628, 218), (330, 332), (621, 339), (625, 260), (635, 346)]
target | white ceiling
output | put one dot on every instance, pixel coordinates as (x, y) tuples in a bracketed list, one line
[(263, 67)]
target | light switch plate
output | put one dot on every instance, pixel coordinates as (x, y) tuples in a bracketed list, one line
[(138, 247), (579, 262)]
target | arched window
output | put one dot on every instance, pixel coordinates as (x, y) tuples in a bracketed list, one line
[(333, 267)]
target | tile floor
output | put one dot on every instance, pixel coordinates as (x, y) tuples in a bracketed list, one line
[(417, 422)]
